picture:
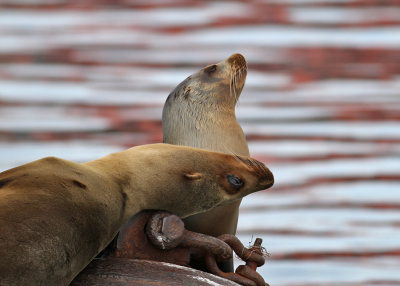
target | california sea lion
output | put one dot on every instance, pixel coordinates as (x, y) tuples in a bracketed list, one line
[(200, 112), (57, 215)]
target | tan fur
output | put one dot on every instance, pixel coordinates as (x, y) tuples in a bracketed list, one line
[(200, 112), (57, 215)]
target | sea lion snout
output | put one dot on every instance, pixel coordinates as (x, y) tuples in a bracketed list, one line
[(237, 60), (265, 175), (268, 180), (262, 172)]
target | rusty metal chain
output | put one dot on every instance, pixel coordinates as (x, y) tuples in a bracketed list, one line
[(244, 274), (167, 231)]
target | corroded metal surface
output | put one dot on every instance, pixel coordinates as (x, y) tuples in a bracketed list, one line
[(252, 262), (160, 237), (125, 271), (167, 231), (133, 242), (245, 274)]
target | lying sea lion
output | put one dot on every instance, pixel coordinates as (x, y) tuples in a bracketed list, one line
[(57, 215), (200, 112)]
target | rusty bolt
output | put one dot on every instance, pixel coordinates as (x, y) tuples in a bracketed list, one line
[(164, 230)]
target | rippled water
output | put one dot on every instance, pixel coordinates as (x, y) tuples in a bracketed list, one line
[(321, 107)]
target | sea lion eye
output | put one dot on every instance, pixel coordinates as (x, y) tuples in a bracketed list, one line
[(234, 181), (211, 69)]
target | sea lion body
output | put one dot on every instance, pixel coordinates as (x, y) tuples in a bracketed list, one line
[(57, 215), (200, 112)]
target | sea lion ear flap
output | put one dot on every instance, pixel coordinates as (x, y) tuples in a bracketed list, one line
[(193, 176)]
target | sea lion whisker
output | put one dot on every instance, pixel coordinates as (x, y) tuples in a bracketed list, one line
[(234, 83), (254, 163), (227, 150), (258, 167), (238, 74), (261, 167), (231, 87), (251, 162), (236, 86), (240, 159), (236, 157)]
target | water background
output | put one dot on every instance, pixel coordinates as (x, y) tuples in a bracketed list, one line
[(321, 107)]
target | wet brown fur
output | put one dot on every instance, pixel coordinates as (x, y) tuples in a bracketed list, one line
[(57, 215)]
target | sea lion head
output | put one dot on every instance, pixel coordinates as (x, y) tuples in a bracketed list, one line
[(219, 83), (196, 180)]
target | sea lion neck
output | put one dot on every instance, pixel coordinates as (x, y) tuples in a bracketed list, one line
[(203, 130), (122, 183), (204, 126)]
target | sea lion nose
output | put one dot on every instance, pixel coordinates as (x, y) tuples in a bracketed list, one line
[(237, 59), (268, 181), (266, 177)]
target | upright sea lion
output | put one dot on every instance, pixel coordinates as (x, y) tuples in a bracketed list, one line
[(200, 112), (57, 215)]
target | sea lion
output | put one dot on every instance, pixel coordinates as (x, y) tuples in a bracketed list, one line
[(57, 215), (200, 112)]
